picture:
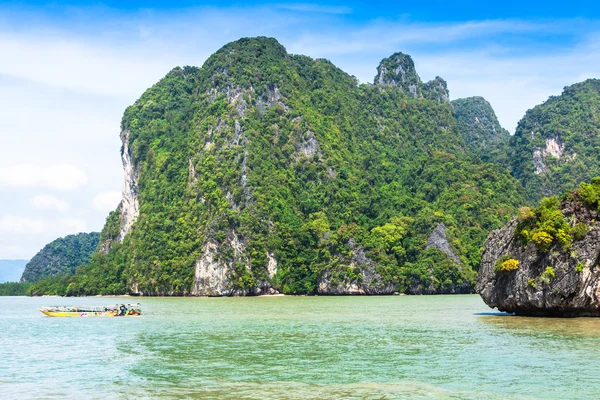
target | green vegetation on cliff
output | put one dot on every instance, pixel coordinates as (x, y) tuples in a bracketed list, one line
[(557, 143), (477, 123), (265, 155), (555, 146), (61, 256), (546, 224)]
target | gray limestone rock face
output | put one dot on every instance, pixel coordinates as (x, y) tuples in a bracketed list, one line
[(211, 277), (369, 283), (438, 240), (399, 70), (213, 270), (436, 90), (130, 206), (571, 292), (554, 148), (308, 146)]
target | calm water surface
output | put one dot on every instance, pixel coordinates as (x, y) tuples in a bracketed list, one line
[(296, 347)]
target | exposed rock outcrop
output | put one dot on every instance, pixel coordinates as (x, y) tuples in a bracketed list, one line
[(553, 148), (399, 70), (366, 281), (211, 274), (308, 146), (438, 240), (436, 90), (557, 282), (214, 269), (130, 206)]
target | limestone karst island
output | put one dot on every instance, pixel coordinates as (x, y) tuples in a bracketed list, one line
[(300, 200)]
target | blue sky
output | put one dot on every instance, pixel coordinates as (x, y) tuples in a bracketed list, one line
[(69, 69), (433, 11)]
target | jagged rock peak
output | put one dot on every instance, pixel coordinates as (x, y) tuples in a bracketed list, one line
[(436, 90), (399, 70)]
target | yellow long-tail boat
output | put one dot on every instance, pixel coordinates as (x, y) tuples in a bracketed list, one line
[(117, 310)]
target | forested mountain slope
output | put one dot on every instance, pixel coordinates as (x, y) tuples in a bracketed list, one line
[(557, 143), (477, 123), (266, 171)]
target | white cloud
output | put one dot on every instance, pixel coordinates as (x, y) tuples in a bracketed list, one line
[(14, 224), (511, 83), (22, 237), (124, 54), (79, 66), (15, 252), (59, 177), (48, 202), (36, 226), (72, 225), (106, 201), (392, 36)]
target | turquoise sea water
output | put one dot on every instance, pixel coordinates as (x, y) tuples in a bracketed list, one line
[(296, 347)]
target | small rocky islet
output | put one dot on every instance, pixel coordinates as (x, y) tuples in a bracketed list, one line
[(544, 262)]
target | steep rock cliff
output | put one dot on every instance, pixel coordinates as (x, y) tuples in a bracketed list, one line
[(130, 206), (358, 275), (546, 261)]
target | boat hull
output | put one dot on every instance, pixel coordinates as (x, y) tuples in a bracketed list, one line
[(113, 310), (80, 314)]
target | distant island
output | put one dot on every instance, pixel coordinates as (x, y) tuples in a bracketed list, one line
[(51, 266), (61, 257)]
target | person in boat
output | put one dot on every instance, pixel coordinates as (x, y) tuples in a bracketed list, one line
[(122, 310)]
